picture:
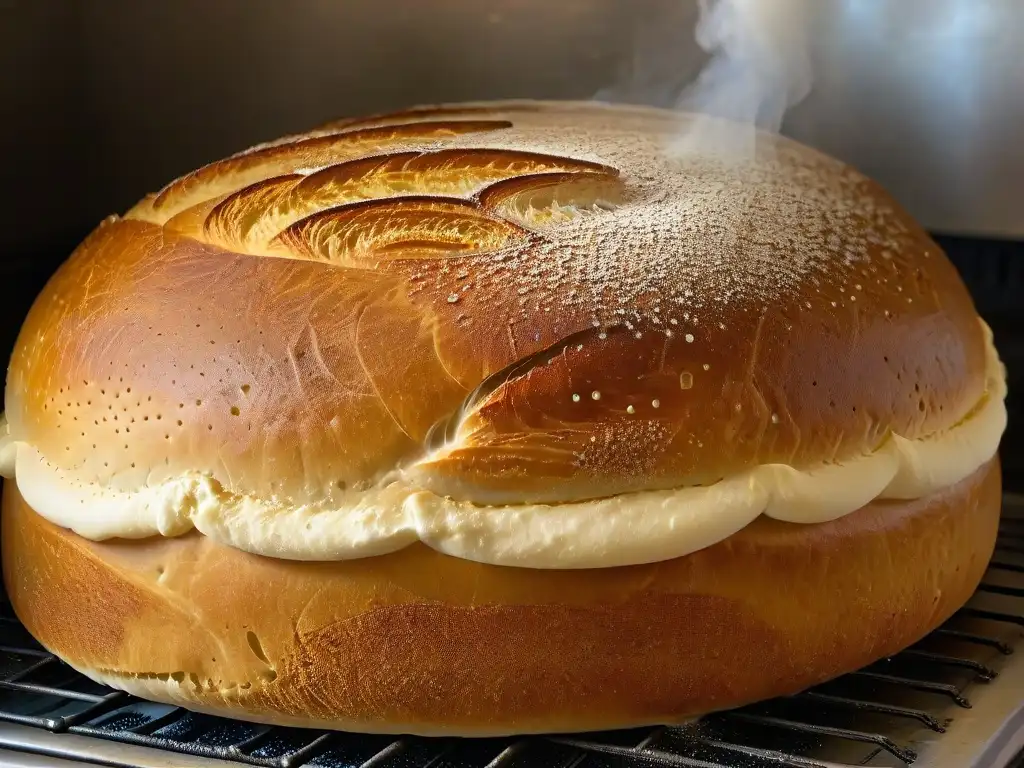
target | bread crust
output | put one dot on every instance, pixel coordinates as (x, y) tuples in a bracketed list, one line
[(291, 343), (423, 643)]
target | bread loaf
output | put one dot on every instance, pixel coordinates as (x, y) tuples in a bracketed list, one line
[(495, 418)]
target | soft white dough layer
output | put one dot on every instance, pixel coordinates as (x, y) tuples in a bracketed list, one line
[(621, 530)]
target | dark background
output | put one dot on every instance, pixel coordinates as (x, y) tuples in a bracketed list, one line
[(105, 100)]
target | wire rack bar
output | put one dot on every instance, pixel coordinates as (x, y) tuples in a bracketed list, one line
[(418, 752), (973, 637), (665, 758), (304, 754), (921, 716), (1006, 618), (771, 755), (144, 729), (112, 701), (507, 755), (391, 751), (654, 735), (256, 740), (1000, 566), (17, 651), (1001, 589), (926, 686), (44, 661), (981, 671), (46, 690), (46, 723), (900, 753), (172, 745)]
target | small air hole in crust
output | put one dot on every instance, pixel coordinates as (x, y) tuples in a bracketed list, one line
[(256, 647)]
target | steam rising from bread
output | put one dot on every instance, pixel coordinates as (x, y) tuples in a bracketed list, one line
[(760, 64), (759, 67)]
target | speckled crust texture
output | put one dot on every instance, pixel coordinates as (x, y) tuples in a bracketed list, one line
[(510, 302), (420, 642)]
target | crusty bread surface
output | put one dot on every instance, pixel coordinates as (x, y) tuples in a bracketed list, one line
[(509, 303)]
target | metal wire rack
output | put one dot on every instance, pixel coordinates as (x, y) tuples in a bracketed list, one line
[(873, 717)]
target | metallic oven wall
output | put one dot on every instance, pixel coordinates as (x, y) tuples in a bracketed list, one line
[(927, 96)]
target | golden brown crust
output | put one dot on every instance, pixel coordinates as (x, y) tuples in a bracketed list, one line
[(299, 318), (423, 643)]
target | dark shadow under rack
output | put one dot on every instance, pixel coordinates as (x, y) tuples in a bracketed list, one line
[(870, 717)]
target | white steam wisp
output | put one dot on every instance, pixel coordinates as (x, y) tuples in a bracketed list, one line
[(759, 67)]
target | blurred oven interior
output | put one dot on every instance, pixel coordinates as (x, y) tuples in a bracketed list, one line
[(104, 100)]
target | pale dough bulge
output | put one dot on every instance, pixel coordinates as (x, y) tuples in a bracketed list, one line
[(523, 339)]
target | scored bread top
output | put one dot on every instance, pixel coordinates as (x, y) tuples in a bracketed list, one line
[(504, 303)]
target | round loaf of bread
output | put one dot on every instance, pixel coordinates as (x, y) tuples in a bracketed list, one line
[(497, 418)]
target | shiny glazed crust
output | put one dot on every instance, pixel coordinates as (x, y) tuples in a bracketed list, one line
[(423, 643), (505, 302)]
